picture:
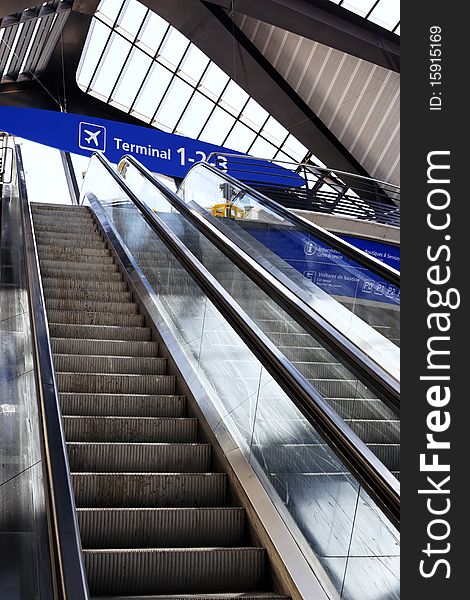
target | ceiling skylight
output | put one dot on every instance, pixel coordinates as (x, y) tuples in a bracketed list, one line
[(137, 62)]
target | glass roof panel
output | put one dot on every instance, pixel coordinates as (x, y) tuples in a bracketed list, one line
[(95, 44), (195, 116), (173, 47), (152, 92), (152, 34), (234, 98), (214, 81), (131, 79), (109, 69), (217, 127), (254, 115), (194, 64), (173, 104), (164, 79), (240, 138), (263, 148), (386, 13), (360, 7), (274, 131), (108, 10), (131, 19)]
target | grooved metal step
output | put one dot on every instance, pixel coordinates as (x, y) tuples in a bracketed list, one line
[(94, 490), (88, 305), (71, 253), (82, 363), (95, 318), (69, 244), (129, 429), (99, 332), (375, 431), (139, 457), (65, 227), (49, 267), (56, 237), (76, 275), (58, 293), (168, 570), (116, 384), (161, 527), (82, 284), (122, 405), (104, 347), (216, 596)]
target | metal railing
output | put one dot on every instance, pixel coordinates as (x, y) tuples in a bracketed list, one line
[(373, 475), (309, 187), (69, 573)]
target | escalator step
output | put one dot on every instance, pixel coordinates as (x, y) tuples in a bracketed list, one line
[(161, 527), (80, 428), (138, 457), (122, 405), (376, 431), (72, 253), (83, 363), (49, 267), (91, 305), (99, 332), (99, 295), (116, 383), (95, 318), (104, 347), (54, 238), (69, 244), (59, 275), (216, 596), (94, 490), (142, 571), (82, 284)]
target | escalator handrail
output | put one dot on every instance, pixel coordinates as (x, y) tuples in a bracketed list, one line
[(369, 371), (365, 260), (371, 473), (69, 569)]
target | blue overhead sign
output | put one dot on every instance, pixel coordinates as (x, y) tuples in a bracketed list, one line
[(160, 152)]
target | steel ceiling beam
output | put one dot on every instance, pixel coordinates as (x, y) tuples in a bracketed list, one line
[(325, 22)]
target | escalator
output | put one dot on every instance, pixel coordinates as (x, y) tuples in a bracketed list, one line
[(222, 439)]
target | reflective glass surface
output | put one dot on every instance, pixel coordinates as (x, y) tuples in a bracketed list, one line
[(353, 299)]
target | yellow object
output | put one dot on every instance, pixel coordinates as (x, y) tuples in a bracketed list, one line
[(227, 210)]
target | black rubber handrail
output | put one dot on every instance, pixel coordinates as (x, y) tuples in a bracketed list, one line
[(280, 290), (69, 572), (365, 260), (367, 468)]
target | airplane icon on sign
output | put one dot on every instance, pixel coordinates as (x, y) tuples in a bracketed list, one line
[(92, 137)]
